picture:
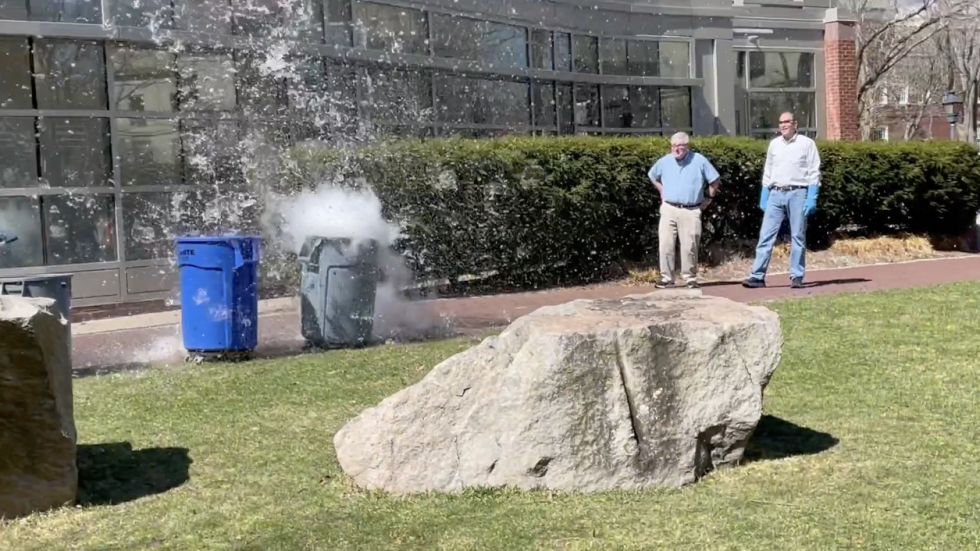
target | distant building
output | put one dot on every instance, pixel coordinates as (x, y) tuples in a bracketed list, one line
[(106, 125)]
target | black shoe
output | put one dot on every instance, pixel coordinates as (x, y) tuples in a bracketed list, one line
[(797, 283), (753, 283), (664, 284)]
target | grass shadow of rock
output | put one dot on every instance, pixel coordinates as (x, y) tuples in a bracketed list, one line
[(110, 474), (776, 438)]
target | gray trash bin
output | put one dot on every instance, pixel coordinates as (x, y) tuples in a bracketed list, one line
[(339, 281), (57, 287)]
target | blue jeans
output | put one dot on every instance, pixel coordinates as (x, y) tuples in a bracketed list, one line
[(782, 205)]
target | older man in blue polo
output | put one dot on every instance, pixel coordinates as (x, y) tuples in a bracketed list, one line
[(790, 185), (680, 177)]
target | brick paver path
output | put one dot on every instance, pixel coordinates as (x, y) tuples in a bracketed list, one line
[(279, 333)]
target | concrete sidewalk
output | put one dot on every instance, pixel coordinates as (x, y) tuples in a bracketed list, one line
[(171, 317), (135, 341)]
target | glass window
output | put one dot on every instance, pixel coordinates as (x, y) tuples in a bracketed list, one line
[(15, 74), (566, 109), (613, 55), (644, 58), (304, 20), (256, 18), (338, 13), (544, 104), (207, 82), (144, 80), (18, 164), (401, 131), (631, 107), (66, 11), (616, 104), (306, 86), (69, 74), (393, 29), (142, 13), (75, 151), (675, 108), (495, 44), (211, 152), (542, 49), (152, 220), (780, 69), (260, 89), (21, 216), (587, 105), (342, 96), (675, 59), (479, 101), (399, 95), (765, 108), (80, 228), (563, 52), (645, 101), (13, 10), (203, 16), (475, 133), (149, 152), (265, 136), (586, 52)]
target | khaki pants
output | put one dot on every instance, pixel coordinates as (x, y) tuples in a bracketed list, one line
[(684, 224)]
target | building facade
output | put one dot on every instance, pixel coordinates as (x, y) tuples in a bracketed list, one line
[(113, 113)]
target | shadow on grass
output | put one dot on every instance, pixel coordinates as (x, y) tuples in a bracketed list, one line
[(775, 438), (110, 474)]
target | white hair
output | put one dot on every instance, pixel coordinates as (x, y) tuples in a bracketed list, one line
[(680, 138)]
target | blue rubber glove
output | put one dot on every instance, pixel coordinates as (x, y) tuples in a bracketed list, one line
[(764, 200), (810, 206)]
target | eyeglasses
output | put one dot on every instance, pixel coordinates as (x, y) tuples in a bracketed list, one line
[(790, 121), (678, 145)]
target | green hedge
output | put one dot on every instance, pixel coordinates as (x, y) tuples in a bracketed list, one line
[(520, 205)]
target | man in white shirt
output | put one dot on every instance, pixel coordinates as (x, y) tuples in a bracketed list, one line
[(790, 185)]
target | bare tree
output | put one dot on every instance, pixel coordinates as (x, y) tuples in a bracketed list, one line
[(886, 35), (912, 89), (962, 48)]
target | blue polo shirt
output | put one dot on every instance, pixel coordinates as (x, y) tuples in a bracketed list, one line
[(683, 180)]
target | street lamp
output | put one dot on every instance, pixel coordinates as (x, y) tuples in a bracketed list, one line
[(953, 105)]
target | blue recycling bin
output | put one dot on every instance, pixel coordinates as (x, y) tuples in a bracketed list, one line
[(219, 293)]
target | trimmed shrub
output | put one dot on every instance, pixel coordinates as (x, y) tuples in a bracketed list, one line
[(566, 207)]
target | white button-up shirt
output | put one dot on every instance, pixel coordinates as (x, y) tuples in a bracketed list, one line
[(792, 162)]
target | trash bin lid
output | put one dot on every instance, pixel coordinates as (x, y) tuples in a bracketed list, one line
[(213, 238), (35, 277)]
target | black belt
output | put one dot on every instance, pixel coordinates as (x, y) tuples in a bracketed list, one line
[(786, 188), (683, 205)]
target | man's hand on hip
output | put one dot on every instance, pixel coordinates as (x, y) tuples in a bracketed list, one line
[(705, 203)]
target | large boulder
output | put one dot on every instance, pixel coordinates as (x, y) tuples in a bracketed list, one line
[(592, 395), (37, 426)]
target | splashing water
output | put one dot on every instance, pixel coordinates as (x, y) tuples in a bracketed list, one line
[(330, 211)]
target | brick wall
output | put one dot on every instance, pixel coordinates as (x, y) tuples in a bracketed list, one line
[(840, 82), (932, 126)]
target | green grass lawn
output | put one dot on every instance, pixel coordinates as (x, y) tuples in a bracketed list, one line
[(871, 441)]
